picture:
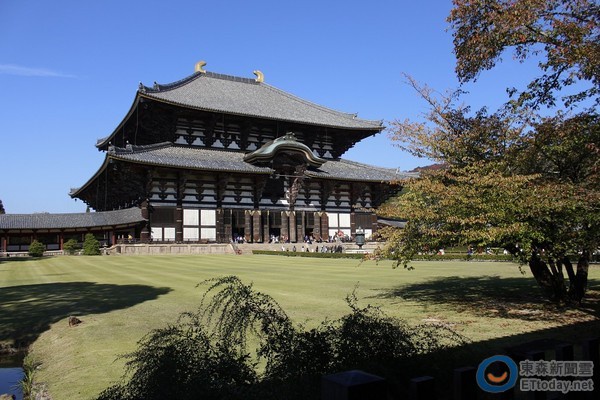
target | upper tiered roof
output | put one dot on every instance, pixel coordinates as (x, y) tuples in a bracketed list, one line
[(249, 97), (212, 92)]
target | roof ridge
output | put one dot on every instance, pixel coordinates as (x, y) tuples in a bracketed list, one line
[(135, 148), (163, 87)]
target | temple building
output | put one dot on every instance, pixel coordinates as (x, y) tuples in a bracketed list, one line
[(214, 158)]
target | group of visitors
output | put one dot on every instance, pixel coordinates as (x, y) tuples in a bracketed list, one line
[(317, 249)]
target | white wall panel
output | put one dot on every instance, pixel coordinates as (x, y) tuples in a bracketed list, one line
[(190, 217), (208, 217), (344, 220), (169, 234), (190, 234), (208, 233)]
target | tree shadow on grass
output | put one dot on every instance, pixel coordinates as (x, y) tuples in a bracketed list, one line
[(29, 310), (493, 296)]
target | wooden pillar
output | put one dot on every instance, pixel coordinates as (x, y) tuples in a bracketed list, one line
[(228, 228), (4, 242), (563, 352), (352, 224), (590, 349), (248, 225), (353, 385), (266, 226), (145, 234), (61, 240), (317, 226), (325, 226), (220, 227), (301, 228), (465, 383), (422, 388), (113, 236), (293, 232), (374, 222), (257, 227), (285, 232), (179, 223)]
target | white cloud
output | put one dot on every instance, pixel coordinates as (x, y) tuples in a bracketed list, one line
[(11, 69)]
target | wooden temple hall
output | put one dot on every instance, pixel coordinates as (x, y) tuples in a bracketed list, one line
[(215, 158)]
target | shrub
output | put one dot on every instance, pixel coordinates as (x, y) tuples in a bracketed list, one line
[(36, 249), (205, 354), (91, 246), (181, 362), (70, 246)]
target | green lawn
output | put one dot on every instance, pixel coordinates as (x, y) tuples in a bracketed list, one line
[(120, 299)]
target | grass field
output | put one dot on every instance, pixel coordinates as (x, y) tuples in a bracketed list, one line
[(120, 299)]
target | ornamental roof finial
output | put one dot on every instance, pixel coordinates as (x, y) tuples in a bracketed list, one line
[(198, 67), (260, 77)]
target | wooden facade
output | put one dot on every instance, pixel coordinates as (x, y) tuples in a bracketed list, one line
[(213, 158)]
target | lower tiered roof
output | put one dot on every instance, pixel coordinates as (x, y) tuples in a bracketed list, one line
[(47, 221)]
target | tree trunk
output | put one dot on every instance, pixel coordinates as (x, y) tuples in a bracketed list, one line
[(558, 279), (579, 283), (548, 281)]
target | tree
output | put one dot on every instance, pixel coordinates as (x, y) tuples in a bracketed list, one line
[(2, 211), (528, 185), (36, 249), (563, 34), (514, 179), (70, 246), (91, 246)]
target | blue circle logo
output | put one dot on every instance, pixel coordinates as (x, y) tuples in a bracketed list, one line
[(497, 374)]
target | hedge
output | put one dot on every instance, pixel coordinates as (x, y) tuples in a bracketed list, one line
[(359, 256), (308, 254)]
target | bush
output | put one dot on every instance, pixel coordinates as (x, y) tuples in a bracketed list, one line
[(91, 246), (205, 354), (70, 246), (36, 249), (180, 362)]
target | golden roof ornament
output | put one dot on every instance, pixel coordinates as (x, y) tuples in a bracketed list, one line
[(198, 67), (260, 77)]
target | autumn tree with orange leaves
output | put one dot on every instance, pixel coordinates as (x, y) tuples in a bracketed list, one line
[(513, 178)]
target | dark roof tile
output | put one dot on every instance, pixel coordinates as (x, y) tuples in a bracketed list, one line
[(241, 96), (72, 220), (165, 154)]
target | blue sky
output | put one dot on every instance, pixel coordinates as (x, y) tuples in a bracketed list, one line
[(69, 71)]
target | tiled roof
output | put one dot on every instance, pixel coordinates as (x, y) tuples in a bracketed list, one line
[(166, 154), (67, 221), (354, 171), (241, 96)]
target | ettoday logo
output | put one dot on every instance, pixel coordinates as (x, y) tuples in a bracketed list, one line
[(497, 374), (500, 373)]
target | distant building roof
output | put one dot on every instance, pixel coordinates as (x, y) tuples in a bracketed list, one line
[(242, 96), (169, 155), (71, 221)]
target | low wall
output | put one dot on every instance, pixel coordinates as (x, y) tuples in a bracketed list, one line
[(170, 249)]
